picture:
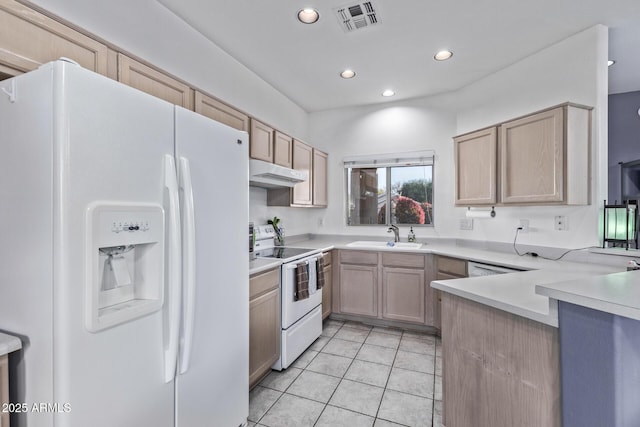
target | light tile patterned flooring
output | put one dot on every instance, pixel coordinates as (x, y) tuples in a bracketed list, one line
[(355, 375)]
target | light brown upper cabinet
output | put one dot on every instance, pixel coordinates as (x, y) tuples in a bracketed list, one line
[(313, 191), (282, 149), (545, 157), (475, 164), (303, 161), (220, 112), (29, 39), (154, 82), (320, 197), (261, 145)]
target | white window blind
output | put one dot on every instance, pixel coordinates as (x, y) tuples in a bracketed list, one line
[(412, 158)]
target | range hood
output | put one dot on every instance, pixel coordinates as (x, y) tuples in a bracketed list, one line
[(269, 175)]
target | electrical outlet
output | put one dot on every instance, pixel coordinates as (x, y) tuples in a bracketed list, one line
[(320, 222), (561, 223), (466, 224), (524, 224)]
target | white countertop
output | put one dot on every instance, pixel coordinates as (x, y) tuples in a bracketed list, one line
[(263, 264), (9, 343), (513, 292), (617, 293)]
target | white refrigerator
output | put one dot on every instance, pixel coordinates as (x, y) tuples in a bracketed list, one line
[(123, 256)]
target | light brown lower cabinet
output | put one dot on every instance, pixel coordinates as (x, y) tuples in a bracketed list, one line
[(447, 268), (359, 289), (391, 287), (264, 324), (499, 369), (327, 290), (4, 389), (403, 287)]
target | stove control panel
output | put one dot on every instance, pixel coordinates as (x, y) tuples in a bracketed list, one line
[(264, 232)]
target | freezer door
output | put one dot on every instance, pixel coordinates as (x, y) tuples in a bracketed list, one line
[(212, 388), (78, 139)]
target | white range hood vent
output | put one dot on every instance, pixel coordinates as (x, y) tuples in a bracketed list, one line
[(269, 175), (357, 16)]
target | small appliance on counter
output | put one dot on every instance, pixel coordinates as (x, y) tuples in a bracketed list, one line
[(301, 318)]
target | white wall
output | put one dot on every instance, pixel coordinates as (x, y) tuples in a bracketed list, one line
[(571, 70), (148, 30), (419, 124)]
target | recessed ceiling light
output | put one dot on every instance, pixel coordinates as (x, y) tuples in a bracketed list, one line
[(388, 92), (443, 55), (610, 62), (308, 16), (348, 74)]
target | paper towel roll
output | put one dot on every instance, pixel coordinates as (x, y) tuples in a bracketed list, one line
[(475, 213)]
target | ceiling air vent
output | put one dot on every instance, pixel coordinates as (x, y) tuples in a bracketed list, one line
[(357, 16)]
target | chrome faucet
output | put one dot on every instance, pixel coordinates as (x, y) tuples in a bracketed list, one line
[(396, 232)]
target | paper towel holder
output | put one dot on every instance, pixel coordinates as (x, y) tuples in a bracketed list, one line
[(481, 213)]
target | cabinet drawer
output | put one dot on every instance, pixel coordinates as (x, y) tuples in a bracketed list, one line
[(358, 257), (328, 258), (263, 282), (403, 260), (453, 266), (446, 276)]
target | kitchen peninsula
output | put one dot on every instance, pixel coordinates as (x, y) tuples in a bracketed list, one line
[(500, 336)]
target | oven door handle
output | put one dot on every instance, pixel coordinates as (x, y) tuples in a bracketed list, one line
[(294, 264)]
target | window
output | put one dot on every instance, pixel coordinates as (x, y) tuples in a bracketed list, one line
[(390, 189)]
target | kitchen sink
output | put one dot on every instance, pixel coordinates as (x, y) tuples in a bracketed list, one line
[(384, 245)]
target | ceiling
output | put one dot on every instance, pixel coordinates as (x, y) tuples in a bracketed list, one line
[(304, 61)]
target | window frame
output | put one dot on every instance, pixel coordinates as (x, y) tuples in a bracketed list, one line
[(388, 161)]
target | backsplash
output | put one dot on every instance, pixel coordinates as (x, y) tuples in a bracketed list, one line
[(294, 220)]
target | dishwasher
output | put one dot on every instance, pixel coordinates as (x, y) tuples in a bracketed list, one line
[(476, 269)]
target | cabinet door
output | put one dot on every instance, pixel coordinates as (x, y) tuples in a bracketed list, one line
[(221, 112), (430, 296), (437, 307), (359, 289), (475, 163), (261, 141), (532, 158), (264, 334), (4, 389), (403, 294), (29, 39), (282, 149), (320, 197), (154, 82), (302, 160), (327, 291)]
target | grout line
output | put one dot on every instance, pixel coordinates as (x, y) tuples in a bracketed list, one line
[(353, 359)]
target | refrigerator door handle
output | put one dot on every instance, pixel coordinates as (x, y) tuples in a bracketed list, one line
[(188, 263), (173, 270)]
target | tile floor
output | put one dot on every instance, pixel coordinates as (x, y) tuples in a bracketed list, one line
[(355, 375)]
